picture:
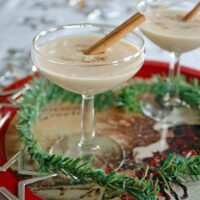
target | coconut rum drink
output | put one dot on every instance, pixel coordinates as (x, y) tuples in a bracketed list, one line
[(165, 27), (87, 74), (58, 54)]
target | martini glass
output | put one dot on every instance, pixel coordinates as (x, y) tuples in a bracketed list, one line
[(164, 26), (88, 79)]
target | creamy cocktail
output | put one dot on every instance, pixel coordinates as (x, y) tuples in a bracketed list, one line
[(87, 74), (58, 54), (166, 28)]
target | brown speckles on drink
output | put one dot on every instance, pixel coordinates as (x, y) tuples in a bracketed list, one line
[(68, 59), (94, 59), (80, 47), (160, 24)]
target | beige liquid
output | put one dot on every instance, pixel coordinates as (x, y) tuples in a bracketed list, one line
[(166, 28), (63, 63)]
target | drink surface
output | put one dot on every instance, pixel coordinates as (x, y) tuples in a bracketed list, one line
[(63, 62), (166, 28), (70, 50)]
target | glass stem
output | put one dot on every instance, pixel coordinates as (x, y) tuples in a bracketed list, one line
[(174, 74), (87, 125)]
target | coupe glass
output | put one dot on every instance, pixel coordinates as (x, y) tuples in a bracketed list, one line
[(172, 40), (88, 79)]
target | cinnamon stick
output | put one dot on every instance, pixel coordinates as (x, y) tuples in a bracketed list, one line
[(192, 13), (116, 34)]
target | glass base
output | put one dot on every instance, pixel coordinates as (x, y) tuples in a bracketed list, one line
[(171, 101), (154, 107), (158, 108), (107, 153)]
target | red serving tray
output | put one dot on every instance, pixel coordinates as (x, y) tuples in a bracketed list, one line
[(8, 179)]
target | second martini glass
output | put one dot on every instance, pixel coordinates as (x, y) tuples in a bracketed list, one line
[(166, 28), (87, 78)]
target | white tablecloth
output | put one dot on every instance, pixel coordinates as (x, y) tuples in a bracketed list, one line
[(22, 19)]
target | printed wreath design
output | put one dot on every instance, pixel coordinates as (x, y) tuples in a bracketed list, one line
[(152, 181)]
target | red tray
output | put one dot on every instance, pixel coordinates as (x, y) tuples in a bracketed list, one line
[(8, 179)]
